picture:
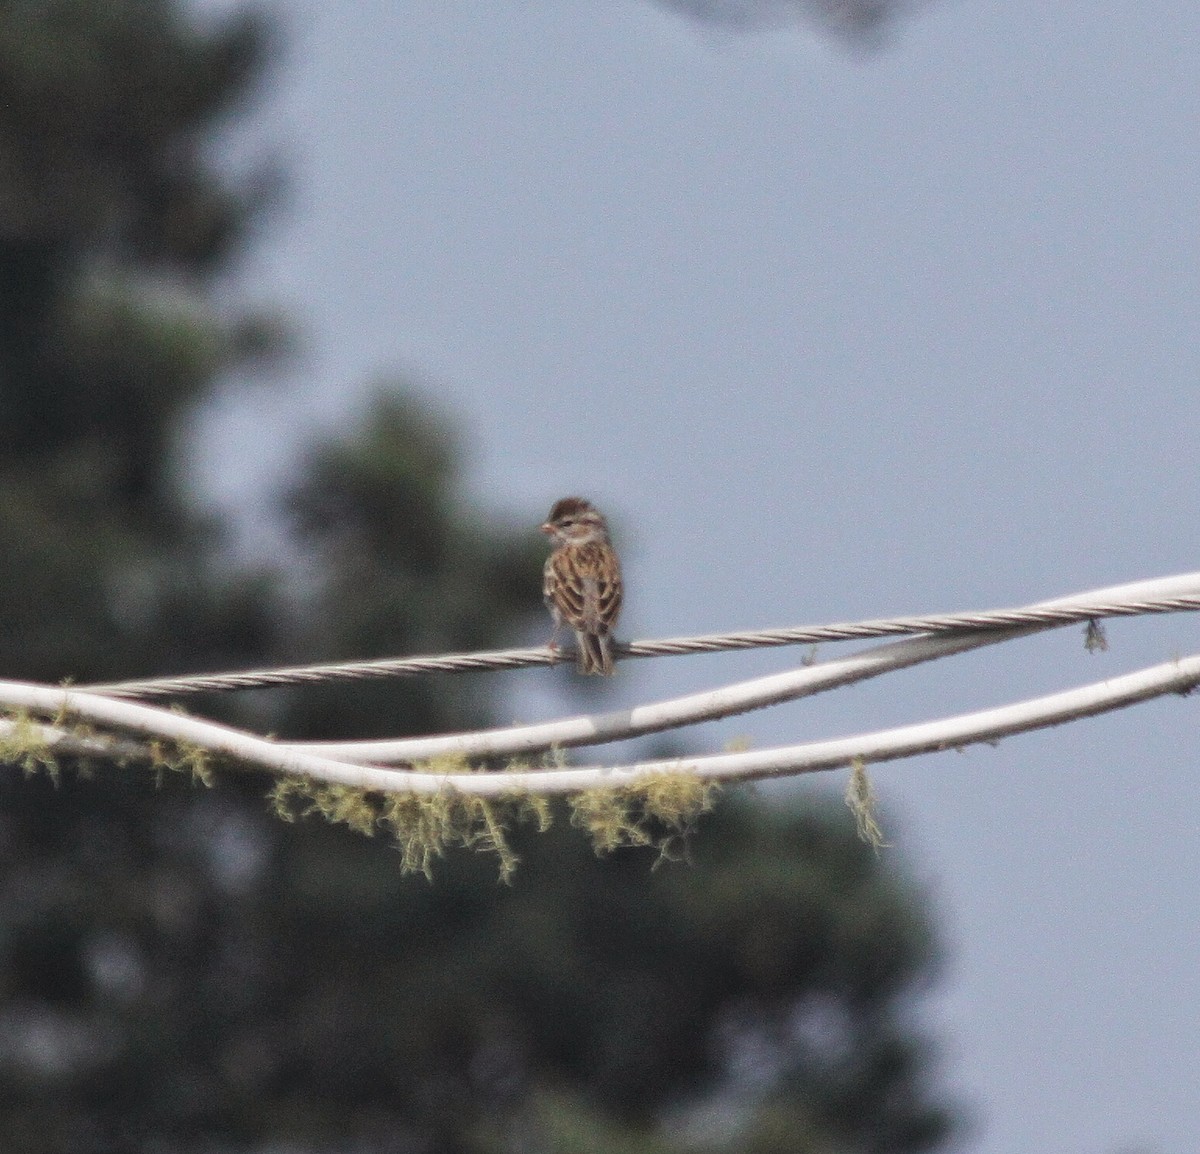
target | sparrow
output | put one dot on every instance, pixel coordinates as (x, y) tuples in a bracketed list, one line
[(582, 581)]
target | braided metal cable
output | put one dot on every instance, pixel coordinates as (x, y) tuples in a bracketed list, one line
[(1037, 615)]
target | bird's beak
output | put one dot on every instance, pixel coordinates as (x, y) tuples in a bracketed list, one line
[(547, 528)]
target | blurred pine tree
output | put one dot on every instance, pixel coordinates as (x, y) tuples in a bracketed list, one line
[(181, 972)]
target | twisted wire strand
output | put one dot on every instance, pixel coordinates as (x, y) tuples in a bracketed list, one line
[(986, 620)]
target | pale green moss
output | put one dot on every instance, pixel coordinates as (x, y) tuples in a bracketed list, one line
[(659, 810), (181, 757), (424, 826), (860, 797), (25, 745)]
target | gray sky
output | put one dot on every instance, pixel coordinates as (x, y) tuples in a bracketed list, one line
[(829, 335)]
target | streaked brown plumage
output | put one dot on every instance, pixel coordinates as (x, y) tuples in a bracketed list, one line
[(582, 581)]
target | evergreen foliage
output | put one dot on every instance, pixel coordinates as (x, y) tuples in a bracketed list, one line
[(182, 971)]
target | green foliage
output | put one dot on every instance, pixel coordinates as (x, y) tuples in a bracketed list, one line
[(398, 563), (566, 1122), (181, 970), (111, 217), (104, 103), (323, 1000), (860, 23)]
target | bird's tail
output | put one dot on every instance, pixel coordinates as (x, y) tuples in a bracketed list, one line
[(595, 654)]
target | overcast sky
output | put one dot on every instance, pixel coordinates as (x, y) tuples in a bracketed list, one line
[(830, 335)]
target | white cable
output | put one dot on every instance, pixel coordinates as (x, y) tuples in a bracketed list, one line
[(1180, 676)]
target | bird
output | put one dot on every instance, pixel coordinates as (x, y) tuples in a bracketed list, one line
[(581, 582)]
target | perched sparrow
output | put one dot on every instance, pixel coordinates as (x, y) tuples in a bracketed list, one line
[(582, 581)]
